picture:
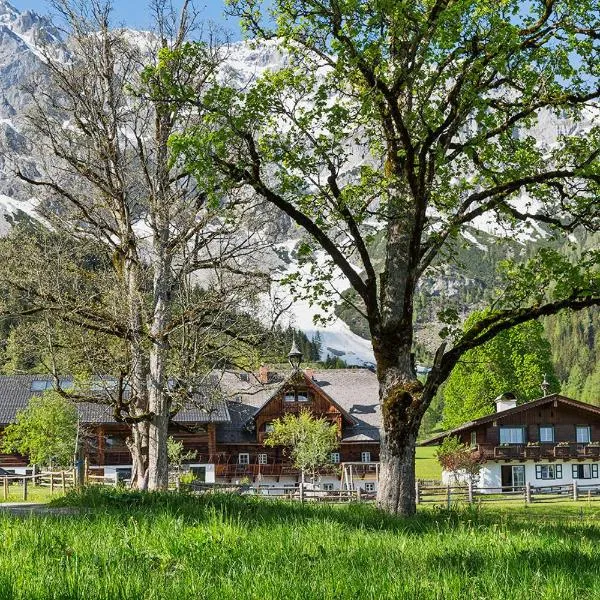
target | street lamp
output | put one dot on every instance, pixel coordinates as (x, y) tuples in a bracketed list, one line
[(295, 356)]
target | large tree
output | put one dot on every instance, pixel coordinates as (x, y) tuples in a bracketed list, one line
[(415, 118), (106, 177)]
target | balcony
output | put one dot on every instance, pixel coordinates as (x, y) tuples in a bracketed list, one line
[(570, 450)]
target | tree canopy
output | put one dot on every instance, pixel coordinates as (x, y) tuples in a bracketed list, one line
[(46, 431), (309, 440), (516, 360), (416, 119)]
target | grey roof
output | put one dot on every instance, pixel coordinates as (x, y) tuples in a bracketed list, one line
[(355, 391), (595, 410), (16, 390)]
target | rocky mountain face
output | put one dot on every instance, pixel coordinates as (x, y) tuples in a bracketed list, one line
[(23, 34)]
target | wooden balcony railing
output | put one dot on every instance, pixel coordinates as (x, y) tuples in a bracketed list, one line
[(542, 452)]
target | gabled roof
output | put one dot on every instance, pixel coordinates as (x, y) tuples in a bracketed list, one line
[(595, 410), (354, 392), (16, 391)]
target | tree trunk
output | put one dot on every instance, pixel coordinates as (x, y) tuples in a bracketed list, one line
[(400, 399), (138, 444), (158, 393)]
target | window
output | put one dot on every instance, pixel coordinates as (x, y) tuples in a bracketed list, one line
[(512, 435), (547, 433), (473, 438), (269, 427), (548, 471), (39, 385), (262, 459), (327, 487), (123, 474), (583, 434), (369, 487), (302, 397), (289, 397), (365, 457), (585, 471), (199, 473), (335, 457), (244, 459)]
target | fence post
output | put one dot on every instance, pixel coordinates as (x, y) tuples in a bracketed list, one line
[(24, 488), (448, 498), (301, 491), (358, 494), (76, 479), (528, 492), (417, 492), (86, 467), (63, 482), (177, 484), (6, 488), (34, 472), (575, 494), (470, 491), (51, 482)]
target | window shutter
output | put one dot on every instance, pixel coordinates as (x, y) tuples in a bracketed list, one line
[(575, 472), (538, 471), (558, 471)]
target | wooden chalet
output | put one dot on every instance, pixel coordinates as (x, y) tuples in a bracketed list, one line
[(227, 425), (551, 440)]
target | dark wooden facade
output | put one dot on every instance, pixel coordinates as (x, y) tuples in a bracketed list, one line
[(563, 415)]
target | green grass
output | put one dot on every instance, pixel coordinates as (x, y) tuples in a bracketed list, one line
[(34, 493), (426, 464), (127, 545)]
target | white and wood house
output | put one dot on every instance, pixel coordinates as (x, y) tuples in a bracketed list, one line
[(553, 440)]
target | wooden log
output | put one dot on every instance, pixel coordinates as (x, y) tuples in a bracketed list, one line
[(417, 492), (63, 482), (528, 492), (470, 493), (448, 498), (24, 488), (6, 488), (51, 482)]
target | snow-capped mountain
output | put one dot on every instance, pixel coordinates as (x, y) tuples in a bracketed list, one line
[(24, 34)]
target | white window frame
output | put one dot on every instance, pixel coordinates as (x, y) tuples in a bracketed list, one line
[(581, 429), (263, 459), (547, 428), (592, 471), (366, 455), (370, 487), (243, 458), (269, 427), (289, 397), (302, 396), (548, 471), (335, 458), (508, 435)]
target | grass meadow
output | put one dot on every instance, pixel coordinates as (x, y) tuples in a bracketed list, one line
[(128, 545)]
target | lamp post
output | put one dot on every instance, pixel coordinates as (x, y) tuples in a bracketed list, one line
[(295, 356)]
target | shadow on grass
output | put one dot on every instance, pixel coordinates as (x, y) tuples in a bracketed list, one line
[(256, 511)]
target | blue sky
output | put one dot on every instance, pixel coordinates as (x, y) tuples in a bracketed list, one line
[(134, 13)]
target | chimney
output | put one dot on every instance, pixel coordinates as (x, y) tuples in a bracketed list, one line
[(505, 401), (310, 373), (263, 374)]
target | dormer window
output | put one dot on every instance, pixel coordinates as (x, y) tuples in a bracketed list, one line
[(297, 396), (269, 427)]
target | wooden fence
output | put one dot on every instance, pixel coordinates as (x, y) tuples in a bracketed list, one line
[(448, 494)]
